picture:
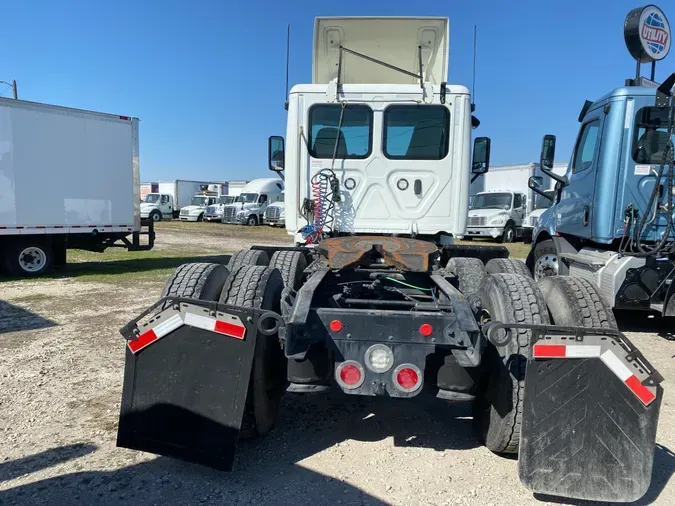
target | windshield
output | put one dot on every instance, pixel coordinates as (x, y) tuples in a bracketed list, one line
[(281, 199), (199, 201), (247, 198), (542, 202), (492, 201), (225, 199), (152, 198)]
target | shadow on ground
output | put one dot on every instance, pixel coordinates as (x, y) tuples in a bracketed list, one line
[(266, 471), (14, 318), (662, 471), (639, 321)]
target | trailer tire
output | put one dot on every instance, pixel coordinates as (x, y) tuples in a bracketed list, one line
[(291, 265), (29, 258), (498, 407), (575, 302), (507, 265), (201, 281), (248, 257), (469, 272), (259, 287)]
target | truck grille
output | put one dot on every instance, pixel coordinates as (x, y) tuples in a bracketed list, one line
[(184, 212), (211, 210), (229, 213), (272, 213), (476, 221)]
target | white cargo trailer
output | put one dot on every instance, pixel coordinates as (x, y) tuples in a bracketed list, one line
[(69, 178)]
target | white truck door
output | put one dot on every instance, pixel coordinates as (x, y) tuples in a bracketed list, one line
[(165, 204)]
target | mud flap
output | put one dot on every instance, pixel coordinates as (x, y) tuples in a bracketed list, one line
[(186, 378), (590, 413)]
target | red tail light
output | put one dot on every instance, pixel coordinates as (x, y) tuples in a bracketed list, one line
[(335, 325), (407, 378), (349, 374), (426, 329)]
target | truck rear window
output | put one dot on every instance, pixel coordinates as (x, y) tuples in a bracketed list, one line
[(416, 132), (351, 137), (650, 135)]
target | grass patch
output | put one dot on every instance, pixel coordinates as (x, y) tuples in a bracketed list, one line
[(259, 233)]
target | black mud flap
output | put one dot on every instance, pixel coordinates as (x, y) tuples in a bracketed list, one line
[(589, 418), (186, 378)]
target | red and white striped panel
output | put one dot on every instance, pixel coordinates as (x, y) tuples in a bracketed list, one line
[(230, 329), (621, 370), (221, 327)]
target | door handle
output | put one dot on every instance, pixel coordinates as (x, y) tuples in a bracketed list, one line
[(587, 212), (418, 187)]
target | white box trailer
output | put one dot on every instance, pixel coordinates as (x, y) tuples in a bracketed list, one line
[(69, 178), (167, 197), (235, 187)]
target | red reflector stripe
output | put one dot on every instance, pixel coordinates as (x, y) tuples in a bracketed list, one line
[(640, 390), (143, 340), (229, 329), (548, 350)]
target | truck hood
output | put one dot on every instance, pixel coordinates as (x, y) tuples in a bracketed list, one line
[(192, 208), (487, 213), (148, 206)]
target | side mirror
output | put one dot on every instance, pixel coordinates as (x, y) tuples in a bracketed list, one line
[(481, 155), (275, 153), (547, 152), (535, 182)]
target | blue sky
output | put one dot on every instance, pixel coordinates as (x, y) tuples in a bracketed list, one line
[(206, 77)]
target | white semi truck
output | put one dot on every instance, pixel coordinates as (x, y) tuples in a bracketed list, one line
[(376, 301), (87, 167), (499, 210), (165, 198), (542, 202), (249, 207)]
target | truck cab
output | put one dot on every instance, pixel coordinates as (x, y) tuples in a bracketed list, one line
[(275, 214), (498, 214), (249, 207), (157, 206), (612, 221), (215, 211), (198, 205)]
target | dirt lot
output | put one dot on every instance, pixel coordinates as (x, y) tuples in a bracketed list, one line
[(61, 364)]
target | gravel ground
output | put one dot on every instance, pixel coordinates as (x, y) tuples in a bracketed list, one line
[(61, 365)]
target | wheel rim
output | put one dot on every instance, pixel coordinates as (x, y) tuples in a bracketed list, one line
[(155, 217), (251, 221), (509, 234), (546, 265), (32, 259)]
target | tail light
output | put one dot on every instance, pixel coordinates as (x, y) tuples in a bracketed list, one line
[(350, 374), (407, 378)]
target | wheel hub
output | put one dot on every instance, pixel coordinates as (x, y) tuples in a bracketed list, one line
[(32, 259), (546, 265)]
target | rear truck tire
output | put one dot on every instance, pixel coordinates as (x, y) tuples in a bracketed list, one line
[(507, 265), (201, 281), (545, 261), (252, 220), (469, 272), (291, 265), (509, 234), (259, 287), (576, 302), (29, 258), (248, 257), (156, 216), (498, 407)]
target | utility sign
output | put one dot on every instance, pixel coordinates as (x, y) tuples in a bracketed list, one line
[(647, 34)]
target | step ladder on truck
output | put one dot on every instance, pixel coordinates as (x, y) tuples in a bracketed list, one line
[(376, 300)]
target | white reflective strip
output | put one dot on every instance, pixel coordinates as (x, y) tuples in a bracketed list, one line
[(617, 367), (582, 351), (202, 322), (168, 326)]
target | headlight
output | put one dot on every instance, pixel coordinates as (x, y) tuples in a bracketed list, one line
[(497, 221), (240, 214), (282, 214)]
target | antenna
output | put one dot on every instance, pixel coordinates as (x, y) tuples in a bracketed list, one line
[(288, 54), (473, 77)]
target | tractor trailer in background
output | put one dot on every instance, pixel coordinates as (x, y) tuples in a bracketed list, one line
[(87, 167), (376, 300), (613, 222), (165, 199)]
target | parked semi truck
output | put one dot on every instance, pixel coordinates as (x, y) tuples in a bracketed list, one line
[(166, 198), (376, 300), (612, 223), (249, 206), (542, 202), (86, 165)]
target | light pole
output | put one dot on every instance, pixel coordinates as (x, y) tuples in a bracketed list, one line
[(13, 85)]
